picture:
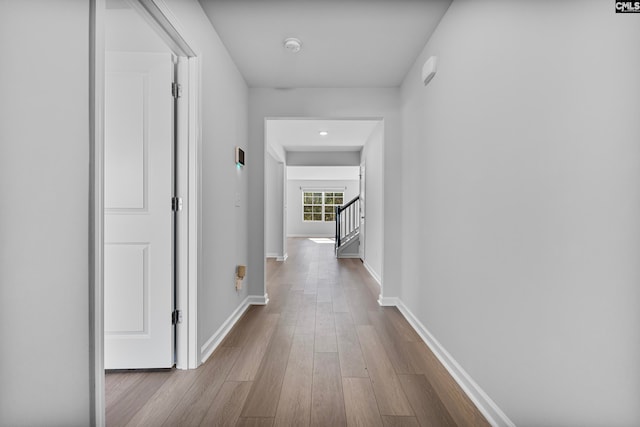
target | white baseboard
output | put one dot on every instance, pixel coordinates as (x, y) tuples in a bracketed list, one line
[(388, 301), (488, 407), (258, 299), (277, 257), (372, 273), (349, 256), (212, 343)]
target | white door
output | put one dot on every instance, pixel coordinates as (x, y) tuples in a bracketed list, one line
[(362, 207), (138, 253)]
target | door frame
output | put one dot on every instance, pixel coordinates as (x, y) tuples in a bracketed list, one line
[(363, 209), (188, 176)]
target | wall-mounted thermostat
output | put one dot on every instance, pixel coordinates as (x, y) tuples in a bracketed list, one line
[(239, 156)]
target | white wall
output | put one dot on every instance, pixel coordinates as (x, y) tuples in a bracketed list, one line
[(323, 172), (329, 103), (296, 226), (274, 207), (44, 212), (323, 158), (127, 31), (44, 198), (224, 236), (374, 207), (521, 236)]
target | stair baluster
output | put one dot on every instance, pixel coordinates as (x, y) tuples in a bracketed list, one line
[(347, 222)]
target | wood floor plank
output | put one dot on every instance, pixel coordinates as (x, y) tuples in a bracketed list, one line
[(135, 398), (327, 401), (254, 422), (298, 285), (359, 310), (390, 421), (324, 307), (324, 294), (311, 284), (194, 404), (246, 367), (244, 329), (265, 392), (112, 380), (344, 322), (118, 385), (360, 403), (288, 318), (306, 323), (425, 402), (278, 300), (325, 333), (294, 407), (327, 273), (403, 328), (392, 342), (311, 287), (352, 362), (273, 268), (160, 406), (290, 311), (386, 385), (227, 405), (461, 408), (339, 300)]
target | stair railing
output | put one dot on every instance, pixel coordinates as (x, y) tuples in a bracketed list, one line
[(347, 220)]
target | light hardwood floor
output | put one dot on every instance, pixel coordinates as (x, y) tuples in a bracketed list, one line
[(321, 353)]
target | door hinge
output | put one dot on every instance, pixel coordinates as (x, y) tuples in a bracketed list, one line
[(176, 204), (176, 90), (176, 317)]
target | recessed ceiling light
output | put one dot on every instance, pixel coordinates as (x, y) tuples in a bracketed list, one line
[(292, 44), (323, 133)]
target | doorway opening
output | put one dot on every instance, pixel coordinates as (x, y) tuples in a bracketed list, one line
[(313, 166), (144, 192)]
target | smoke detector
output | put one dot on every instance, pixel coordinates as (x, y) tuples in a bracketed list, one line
[(292, 44)]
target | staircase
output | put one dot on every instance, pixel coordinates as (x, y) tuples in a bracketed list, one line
[(347, 243)]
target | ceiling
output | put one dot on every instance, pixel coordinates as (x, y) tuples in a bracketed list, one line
[(345, 43), (303, 134)]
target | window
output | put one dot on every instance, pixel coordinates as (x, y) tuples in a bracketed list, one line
[(321, 205)]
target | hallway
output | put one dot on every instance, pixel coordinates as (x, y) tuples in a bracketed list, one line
[(321, 353)]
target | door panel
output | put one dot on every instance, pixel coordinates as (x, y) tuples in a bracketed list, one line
[(128, 290), (138, 258), (126, 144)]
